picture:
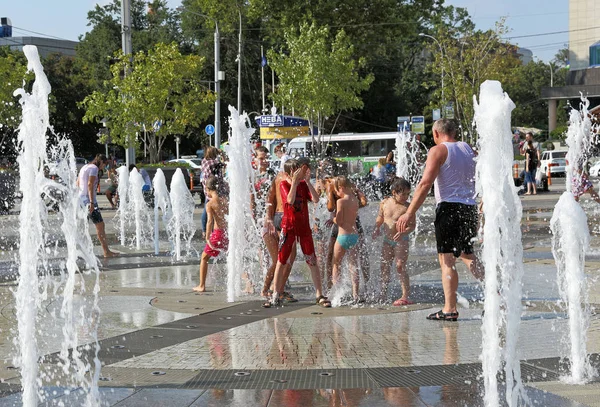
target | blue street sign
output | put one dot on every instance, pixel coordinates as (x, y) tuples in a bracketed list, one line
[(210, 129)]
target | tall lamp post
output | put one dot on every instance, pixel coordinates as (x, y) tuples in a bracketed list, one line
[(442, 54), (218, 76)]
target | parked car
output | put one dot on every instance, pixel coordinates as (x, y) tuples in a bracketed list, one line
[(595, 170), (555, 161)]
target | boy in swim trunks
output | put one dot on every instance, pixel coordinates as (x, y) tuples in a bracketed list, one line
[(392, 250), (296, 190), (217, 209), (347, 238)]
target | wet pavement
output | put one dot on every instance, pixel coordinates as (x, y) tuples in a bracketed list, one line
[(165, 345)]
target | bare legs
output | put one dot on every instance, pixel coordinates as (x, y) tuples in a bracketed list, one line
[(450, 276), (102, 237), (338, 255), (397, 255), (203, 271)]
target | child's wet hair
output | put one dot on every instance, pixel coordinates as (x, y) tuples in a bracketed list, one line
[(341, 182), (291, 165), (400, 185), (212, 183)]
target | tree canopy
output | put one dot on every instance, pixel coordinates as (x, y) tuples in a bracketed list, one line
[(318, 76), (160, 95)]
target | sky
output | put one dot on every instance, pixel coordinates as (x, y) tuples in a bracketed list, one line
[(535, 19)]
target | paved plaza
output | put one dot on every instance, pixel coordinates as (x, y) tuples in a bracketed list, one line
[(162, 344)]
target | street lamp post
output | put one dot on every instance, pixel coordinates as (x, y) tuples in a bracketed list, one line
[(442, 54), (217, 75)]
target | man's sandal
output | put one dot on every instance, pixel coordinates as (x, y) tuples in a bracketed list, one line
[(288, 297), (443, 316), (322, 301), (271, 304)]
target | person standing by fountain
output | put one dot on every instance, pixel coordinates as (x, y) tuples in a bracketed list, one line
[(450, 167), (282, 155), (271, 230), (210, 166), (532, 162), (87, 183), (217, 209), (347, 238), (296, 190), (390, 210)]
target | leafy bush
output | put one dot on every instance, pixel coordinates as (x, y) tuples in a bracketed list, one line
[(559, 133)]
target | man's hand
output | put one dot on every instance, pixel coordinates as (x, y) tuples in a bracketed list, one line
[(91, 207), (404, 223)]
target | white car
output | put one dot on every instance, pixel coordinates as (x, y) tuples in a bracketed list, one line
[(595, 170), (555, 161)]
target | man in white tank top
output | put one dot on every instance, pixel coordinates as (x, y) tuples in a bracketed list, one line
[(87, 183), (450, 167)]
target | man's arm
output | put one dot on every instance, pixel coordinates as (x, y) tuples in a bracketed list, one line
[(436, 157)]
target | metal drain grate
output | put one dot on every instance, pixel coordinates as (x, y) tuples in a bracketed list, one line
[(282, 379)]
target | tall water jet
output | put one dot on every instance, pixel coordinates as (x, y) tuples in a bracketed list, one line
[(122, 190), (76, 365), (409, 167), (162, 202), (570, 241), (181, 225), (32, 136), (138, 208), (502, 252), (30, 293), (241, 180)]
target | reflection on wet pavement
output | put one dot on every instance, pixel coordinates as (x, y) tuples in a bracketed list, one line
[(431, 396), (361, 341)]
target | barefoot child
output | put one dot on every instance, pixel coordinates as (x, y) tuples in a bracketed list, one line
[(216, 228), (347, 238), (296, 190), (390, 210)]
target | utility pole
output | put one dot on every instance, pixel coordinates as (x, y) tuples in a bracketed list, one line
[(239, 93), (127, 50), (217, 89), (262, 70)]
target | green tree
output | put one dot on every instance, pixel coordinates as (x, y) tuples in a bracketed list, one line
[(151, 23), (318, 76), (13, 68), (469, 58), (69, 88), (161, 86)]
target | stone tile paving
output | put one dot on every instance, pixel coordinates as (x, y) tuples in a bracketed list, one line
[(360, 341)]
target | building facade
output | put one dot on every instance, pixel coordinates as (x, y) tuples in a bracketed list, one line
[(583, 76)]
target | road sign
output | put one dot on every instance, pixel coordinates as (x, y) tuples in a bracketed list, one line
[(157, 125), (437, 114), (210, 129), (449, 111), (418, 125)]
